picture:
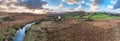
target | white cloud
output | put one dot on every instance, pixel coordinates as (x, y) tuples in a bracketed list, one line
[(71, 2), (95, 5), (110, 7), (14, 6), (113, 2), (60, 6), (79, 8), (63, 0)]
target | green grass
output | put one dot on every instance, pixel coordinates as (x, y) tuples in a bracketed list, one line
[(10, 32), (104, 16), (76, 17), (98, 16)]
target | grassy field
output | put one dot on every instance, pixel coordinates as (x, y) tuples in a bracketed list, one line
[(97, 16)]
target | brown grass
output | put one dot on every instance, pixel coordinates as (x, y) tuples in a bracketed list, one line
[(73, 30), (9, 27)]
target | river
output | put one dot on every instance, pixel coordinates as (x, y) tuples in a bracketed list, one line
[(20, 34)]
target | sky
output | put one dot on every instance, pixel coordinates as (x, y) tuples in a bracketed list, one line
[(85, 5), (63, 5)]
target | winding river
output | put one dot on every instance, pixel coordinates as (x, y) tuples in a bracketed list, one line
[(20, 34)]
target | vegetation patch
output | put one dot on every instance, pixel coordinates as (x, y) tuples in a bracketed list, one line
[(97, 15)]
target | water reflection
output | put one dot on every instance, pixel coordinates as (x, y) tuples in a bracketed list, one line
[(20, 34)]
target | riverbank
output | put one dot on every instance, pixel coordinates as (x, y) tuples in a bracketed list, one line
[(9, 27)]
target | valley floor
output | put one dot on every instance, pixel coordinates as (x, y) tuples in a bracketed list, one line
[(75, 30), (58, 30)]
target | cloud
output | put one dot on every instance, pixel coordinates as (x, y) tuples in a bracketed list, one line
[(0, 1), (6, 4), (32, 3), (117, 5), (110, 7), (25, 3), (60, 6), (113, 2), (79, 8), (98, 2), (63, 0), (20, 5), (94, 7), (71, 2), (95, 4)]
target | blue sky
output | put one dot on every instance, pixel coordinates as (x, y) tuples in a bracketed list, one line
[(66, 5), (106, 5)]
